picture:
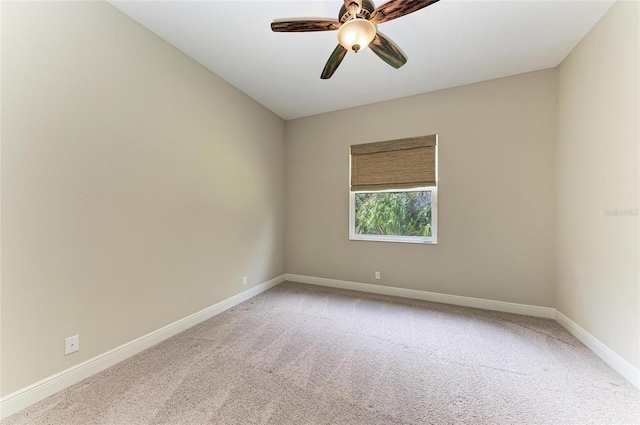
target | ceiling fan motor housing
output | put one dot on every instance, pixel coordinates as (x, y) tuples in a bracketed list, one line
[(367, 8)]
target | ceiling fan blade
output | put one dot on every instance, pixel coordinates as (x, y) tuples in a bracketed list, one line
[(334, 61), (305, 26), (397, 8), (387, 51)]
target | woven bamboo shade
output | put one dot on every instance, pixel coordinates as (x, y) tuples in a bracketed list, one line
[(394, 164)]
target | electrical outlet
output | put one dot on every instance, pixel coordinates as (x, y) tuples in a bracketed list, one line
[(378, 275), (244, 280), (71, 344)]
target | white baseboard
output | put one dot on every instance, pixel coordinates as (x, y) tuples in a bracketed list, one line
[(523, 309), (620, 365), (25, 397)]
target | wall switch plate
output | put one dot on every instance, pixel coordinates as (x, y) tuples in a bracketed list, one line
[(71, 344), (244, 280), (377, 275)]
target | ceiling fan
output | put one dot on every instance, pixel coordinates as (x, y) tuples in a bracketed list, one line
[(356, 26)]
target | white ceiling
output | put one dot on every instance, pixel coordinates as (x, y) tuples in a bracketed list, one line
[(448, 44)]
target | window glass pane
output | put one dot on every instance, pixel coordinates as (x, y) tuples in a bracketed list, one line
[(393, 213)]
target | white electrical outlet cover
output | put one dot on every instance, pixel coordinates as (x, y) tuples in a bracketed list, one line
[(71, 344)]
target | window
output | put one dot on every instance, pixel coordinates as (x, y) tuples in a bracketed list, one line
[(393, 196)]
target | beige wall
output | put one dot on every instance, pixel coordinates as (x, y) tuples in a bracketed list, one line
[(598, 161), (134, 192), (496, 191)]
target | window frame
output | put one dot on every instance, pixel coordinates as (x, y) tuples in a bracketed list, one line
[(432, 240)]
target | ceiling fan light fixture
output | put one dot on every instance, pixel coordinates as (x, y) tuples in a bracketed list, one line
[(356, 34)]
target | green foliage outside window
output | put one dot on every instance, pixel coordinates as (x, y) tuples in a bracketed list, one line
[(394, 213)]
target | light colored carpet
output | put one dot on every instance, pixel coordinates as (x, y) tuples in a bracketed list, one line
[(301, 354)]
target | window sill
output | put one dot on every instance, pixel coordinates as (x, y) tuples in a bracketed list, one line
[(396, 239)]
